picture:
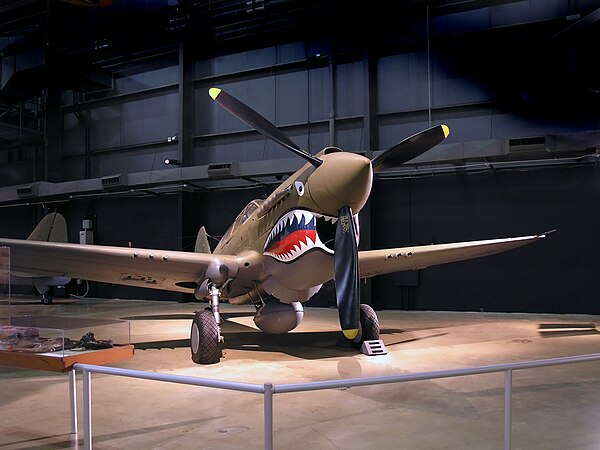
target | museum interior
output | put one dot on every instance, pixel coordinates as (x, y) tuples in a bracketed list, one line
[(109, 117)]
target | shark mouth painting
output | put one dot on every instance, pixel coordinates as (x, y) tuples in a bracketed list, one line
[(300, 231)]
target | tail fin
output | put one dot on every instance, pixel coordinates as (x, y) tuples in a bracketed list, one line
[(52, 228), (202, 245)]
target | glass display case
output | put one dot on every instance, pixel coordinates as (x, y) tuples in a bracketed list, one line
[(56, 343), (5, 285)]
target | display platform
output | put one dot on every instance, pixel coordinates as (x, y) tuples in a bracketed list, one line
[(63, 361), (56, 343)]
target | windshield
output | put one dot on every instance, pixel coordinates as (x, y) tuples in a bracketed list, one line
[(242, 218)]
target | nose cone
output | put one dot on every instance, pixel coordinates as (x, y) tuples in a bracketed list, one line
[(344, 179)]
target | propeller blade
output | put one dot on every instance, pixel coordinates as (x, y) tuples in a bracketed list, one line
[(259, 123), (410, 148), (346, 274)]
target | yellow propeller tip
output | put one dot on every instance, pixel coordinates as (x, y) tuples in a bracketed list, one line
[(214, 92), (350, 334), (446, 131)]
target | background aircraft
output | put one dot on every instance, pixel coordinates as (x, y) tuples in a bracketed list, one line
[(277, 253), (52, 228)]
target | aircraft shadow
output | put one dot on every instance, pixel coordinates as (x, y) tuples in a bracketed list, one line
[(308, 345), (160, 317), (301, 344), (12, 303), (182, 316), (158, 345), (389, 343)]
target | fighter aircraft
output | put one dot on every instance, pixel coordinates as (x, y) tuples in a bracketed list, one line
[(278, 252)]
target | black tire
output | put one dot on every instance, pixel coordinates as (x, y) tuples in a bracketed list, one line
[(369, 323), (46, 299), (204, 339)]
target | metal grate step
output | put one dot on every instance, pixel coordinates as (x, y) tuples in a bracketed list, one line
[(373, 348)]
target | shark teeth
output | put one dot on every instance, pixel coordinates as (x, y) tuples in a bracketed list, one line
[(295, 233), (299, 231), (332, 220), (298, 216)]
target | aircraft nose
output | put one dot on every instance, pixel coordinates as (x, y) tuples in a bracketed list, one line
[(344, 179)]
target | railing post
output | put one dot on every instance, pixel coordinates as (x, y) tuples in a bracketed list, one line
[(87, 409), (73, 400), (507, 409), (268, 414)]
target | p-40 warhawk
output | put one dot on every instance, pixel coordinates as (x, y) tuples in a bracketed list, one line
[(277, 253)]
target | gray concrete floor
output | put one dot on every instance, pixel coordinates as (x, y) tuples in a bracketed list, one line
[(553, 408)]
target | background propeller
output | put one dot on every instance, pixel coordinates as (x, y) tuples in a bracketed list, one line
[(259, 123), (410, 148)]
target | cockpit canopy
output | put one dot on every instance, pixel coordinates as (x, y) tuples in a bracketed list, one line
[(242, 218)]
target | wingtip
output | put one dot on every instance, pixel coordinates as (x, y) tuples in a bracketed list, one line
[(214, 92), (543, 235)]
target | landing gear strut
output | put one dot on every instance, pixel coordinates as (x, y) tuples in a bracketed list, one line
[(46, 293), (205, 335)]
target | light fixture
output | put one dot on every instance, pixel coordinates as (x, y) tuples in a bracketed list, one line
[(172, 162)]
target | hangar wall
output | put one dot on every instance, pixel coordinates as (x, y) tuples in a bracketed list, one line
[(459, 72), (557, 274), (497, 75)]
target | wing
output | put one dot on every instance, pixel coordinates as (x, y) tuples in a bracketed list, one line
[(377, 262), (149, 268)]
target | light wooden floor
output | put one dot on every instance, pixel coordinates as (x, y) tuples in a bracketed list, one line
[(553, 408)]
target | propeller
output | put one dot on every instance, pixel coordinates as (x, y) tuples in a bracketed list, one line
[(346, 274), (259, 123), (346, 247), (410, 148)]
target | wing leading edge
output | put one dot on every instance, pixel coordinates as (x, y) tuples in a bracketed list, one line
[(182, 271), (378, 262), (149, 268)]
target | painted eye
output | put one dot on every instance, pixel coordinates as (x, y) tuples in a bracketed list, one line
[(299, 188)]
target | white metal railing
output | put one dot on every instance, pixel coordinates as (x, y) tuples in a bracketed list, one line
[(268, 389)]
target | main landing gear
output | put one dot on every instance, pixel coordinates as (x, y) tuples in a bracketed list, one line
[(205, 336), (47, 298), (206, 340), (369, 329), (46, 292), (370, 343), (369, 323)]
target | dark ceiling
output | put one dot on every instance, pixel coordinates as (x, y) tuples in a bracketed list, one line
[(533, 66), (82, 41), (126, 28)]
